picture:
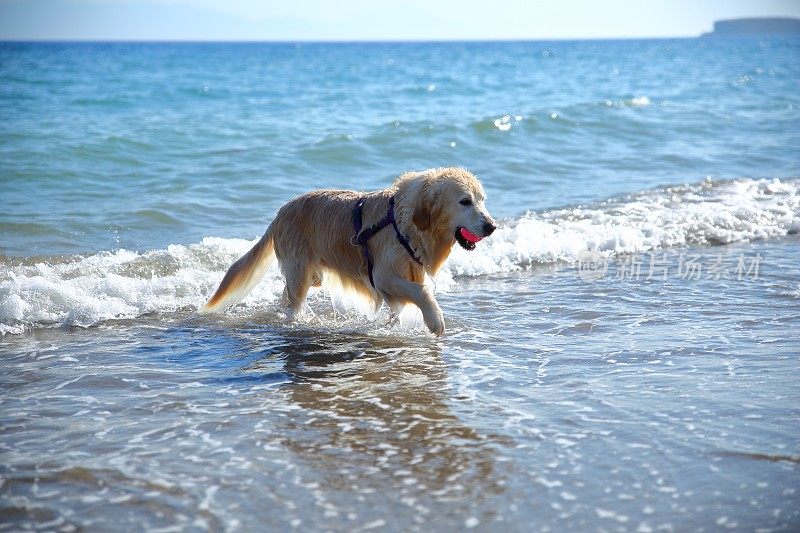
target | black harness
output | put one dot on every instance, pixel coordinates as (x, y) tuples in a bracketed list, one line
[(361, 237)]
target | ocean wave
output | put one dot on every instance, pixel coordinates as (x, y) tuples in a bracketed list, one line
[(123, 284), (709, 213), (583, 113)]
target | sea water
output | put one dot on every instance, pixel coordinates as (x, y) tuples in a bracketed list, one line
[(621, 354)]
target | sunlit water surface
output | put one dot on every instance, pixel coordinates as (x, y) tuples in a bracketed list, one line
[(621, 354), (641, 403)]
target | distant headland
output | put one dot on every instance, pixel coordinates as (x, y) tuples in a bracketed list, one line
[(755, 26)]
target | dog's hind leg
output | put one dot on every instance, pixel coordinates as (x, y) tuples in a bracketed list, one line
[(299, 278)]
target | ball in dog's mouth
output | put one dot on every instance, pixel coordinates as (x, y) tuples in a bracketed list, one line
[(466, 238)]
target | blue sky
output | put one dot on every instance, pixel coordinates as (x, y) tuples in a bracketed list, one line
[(371, 20)]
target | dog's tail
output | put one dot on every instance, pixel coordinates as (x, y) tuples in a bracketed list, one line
[(243, 275)]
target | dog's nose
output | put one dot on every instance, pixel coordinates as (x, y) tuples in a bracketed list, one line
[(488, 228)]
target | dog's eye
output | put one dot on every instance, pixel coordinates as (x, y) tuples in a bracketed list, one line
[(466, 201)]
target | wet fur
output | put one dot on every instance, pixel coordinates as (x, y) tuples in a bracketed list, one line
[(310, 237)]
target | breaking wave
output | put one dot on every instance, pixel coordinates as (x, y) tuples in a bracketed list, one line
[(122, 284)]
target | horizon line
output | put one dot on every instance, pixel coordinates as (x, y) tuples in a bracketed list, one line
[(338, 41)]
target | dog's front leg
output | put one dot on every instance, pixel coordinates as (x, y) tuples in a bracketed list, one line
[(416, 293)]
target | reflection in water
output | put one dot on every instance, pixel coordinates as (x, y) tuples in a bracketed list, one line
[(256, 424), (374, 420), (632, 424)]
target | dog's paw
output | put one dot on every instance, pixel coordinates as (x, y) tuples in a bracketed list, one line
[(435, 323)]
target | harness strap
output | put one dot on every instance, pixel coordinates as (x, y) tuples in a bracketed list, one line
[(362, 236), (400, 237)]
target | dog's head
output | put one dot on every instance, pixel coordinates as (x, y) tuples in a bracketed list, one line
[(448, 202)]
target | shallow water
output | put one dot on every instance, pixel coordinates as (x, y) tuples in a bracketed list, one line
[(621, 354), (662, 403)]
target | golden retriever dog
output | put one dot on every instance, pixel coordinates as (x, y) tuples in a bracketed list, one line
[(377, 244)]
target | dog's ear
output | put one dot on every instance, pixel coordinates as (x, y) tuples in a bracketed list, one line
[(421, 217)]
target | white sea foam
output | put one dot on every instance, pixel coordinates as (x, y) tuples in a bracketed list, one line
[(503, 123), (709, 213), (639, 101), (85, 290)]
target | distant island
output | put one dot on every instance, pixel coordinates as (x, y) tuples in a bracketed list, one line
[(755, 26)]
